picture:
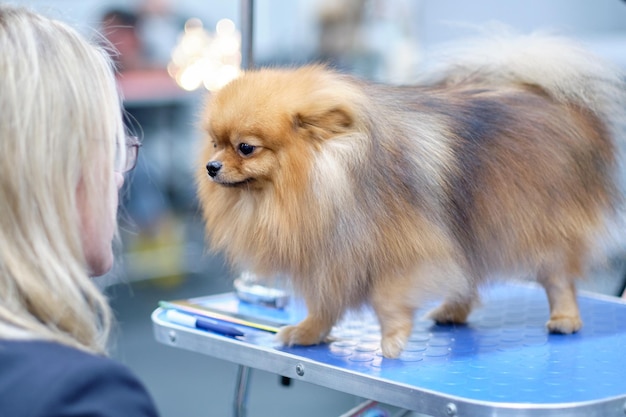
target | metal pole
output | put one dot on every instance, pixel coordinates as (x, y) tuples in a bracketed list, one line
[(247, 29), (241, 391), (247, 62)]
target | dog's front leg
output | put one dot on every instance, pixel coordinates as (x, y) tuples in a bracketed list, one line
[(395, 313), (312, 330)]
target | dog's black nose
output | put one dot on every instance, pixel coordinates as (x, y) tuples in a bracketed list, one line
[(213, 168)]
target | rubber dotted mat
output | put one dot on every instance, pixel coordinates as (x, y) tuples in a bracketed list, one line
[(503, 354)]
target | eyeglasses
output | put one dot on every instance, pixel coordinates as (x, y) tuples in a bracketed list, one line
[(132, 152)]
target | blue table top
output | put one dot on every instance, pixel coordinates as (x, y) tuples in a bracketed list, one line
[(503, 356)]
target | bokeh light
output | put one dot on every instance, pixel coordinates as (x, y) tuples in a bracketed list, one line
[(202, 58)]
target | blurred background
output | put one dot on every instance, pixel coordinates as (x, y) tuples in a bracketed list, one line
[(171, 55)]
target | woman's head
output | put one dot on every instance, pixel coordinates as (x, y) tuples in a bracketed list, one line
[(61, 132)]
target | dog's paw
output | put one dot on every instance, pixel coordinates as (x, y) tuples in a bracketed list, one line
[(392, 346), (300, 335), (564, 324), (449, 314)]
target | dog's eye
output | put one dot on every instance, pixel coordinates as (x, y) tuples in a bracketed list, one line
[(245, 149)]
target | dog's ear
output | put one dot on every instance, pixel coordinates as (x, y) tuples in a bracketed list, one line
[(324, 124)]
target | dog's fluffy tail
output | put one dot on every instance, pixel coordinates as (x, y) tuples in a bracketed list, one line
[(563, 68)]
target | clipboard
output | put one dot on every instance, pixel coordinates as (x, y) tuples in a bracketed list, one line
[(229, 308)]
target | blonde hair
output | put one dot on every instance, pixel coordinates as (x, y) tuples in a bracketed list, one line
[(60, 124)]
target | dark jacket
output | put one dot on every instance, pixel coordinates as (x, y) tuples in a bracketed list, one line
[(45, 379)]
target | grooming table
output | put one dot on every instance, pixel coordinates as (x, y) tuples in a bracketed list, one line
[(502, 363)]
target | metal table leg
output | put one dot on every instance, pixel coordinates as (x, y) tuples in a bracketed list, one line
[(241, 391)]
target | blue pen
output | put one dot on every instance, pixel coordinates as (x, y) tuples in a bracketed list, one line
[(201, 323)]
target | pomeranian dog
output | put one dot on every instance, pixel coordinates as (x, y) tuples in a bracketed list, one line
[(500, 163)]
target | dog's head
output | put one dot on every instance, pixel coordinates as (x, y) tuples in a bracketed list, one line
[(264, 127)]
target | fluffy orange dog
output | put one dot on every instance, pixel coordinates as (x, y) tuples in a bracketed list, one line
[(503, 164)]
